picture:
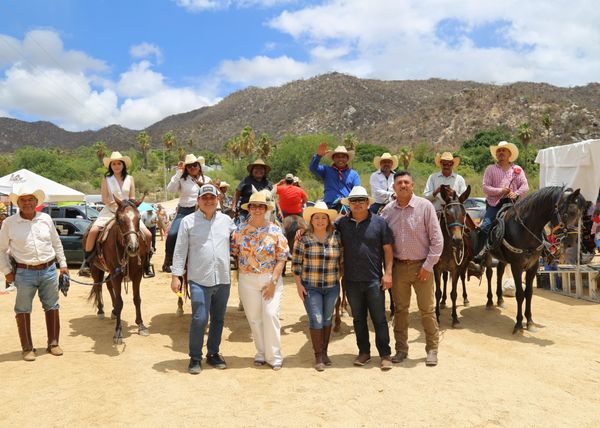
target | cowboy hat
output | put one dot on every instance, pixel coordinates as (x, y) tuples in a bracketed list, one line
[(26, 189), (258, 198), (514, 151), (340, 150), (446, 156), (191, 159), (386, 156), (258, 162), (319, 207), (116, 156), (355, 193), (297, 180), (201, 159), (223, 184)]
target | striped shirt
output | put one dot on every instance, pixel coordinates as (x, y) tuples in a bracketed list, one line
[(495, 179), (318, 263), (416, 229)]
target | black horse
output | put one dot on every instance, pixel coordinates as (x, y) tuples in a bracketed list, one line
[(523, 240)]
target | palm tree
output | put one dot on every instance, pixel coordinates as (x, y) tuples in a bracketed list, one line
[(264, 146), (101, 150), (143, 140), (168, 142), (405, 156), (547, 122), (247, 141), (350, 141), (181, 153), (525, 134)]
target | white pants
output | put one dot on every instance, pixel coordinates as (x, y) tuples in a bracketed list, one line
[(263, 316)]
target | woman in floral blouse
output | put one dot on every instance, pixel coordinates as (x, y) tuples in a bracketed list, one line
[(262, 251)]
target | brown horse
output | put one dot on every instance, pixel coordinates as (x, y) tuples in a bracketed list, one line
[(121, 254)]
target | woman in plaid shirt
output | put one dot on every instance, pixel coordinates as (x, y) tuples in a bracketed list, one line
[(316, 264)]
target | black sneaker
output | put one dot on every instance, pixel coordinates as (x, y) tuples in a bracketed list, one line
[(195, 366), (216, 361)]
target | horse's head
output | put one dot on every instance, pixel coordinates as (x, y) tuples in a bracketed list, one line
[(454, 213), (569, 209), (128, 222)]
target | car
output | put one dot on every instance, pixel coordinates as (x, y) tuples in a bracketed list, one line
[(71, 211), (71, 231), (475, 208)]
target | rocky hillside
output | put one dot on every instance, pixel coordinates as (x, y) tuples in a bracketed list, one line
[(393, 113)]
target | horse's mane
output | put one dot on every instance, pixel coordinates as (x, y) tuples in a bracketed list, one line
[(537, 202)]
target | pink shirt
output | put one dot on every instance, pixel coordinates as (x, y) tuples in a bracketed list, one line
[(495, 179), (416, 229)]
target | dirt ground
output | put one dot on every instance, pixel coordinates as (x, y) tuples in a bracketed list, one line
[(486, 375)]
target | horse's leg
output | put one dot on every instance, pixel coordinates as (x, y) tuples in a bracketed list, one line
[(97, 277), (488, 275), (137, 300), (337, 321), (529, 276), (520, 296), (392, 305), (179, 311), (443, 301), (453, 295), (438, 293), (466, 302), (117, 308), (499, 274)]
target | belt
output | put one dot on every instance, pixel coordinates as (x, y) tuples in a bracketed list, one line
[(408, 262), (36, 267)]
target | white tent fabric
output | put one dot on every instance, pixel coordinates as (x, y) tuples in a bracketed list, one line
[(574, 165), (55, 192)]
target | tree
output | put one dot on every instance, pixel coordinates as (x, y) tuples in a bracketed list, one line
[(101, 149), (525, 134), (547, 122), (350, 141), (143, 140), (169, 140), (264, 146), (247, 141), (405, 157), (181, 153)]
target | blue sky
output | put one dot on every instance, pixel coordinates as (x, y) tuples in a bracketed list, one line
[(85, 64)]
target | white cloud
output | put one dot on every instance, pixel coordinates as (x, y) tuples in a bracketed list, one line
[(264, 71), (202, 5), (140, 81), (145, 50)]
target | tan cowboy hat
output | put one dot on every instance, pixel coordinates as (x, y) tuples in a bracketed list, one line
[(191, 159), (357, 192), (26, 189), (297, 180), (116, 156), (446, 156), (319, 207), (514, 151), (340, 150), (258, 198), (223, 184), (258, 162), (386, 156), (201, 160)]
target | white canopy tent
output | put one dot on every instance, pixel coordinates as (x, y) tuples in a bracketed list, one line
[(55, 192)]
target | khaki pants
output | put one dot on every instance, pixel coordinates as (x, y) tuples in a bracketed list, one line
[(404, 277)]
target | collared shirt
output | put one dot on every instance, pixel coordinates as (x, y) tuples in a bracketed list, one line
[(417, 232), (205, 245), (291, 198), (245, 188), (435, 180), (31, 242), (187, 188), (363, 246), (334, 188), (318, 263), (149, 219), (259, 249), (495, 179), (382, 187)]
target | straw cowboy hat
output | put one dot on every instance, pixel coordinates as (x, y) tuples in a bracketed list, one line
[(319, 207), (386, 156), (223, 184), (258, 162), (26, 189), (297, 180), (258, 198), (446, 156), (201, 160), (355, 193), (514, 151), (191, 159), (340, 150), (116, 156)]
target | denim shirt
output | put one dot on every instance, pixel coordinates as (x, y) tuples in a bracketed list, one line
[(333, 186)]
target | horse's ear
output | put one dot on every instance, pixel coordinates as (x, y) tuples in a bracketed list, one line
[(463, 197), (118, 201), (443, 192), (137, 202)]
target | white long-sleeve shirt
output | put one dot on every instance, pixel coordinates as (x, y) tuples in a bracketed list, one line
[(381, 187), (188, 189), (435, 180), (30, 242)]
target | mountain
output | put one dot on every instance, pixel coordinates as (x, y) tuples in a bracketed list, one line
[(392, 113)]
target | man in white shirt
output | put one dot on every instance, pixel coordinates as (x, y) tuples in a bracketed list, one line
[(204, 240), (447, 162), (30, 238), (382, 180)]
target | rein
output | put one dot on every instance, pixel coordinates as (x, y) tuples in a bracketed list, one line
[(455, 224)]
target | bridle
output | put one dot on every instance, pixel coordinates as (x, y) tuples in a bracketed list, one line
[(455, 224)]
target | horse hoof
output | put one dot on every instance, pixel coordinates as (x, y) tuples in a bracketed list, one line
[(442, 305), (118, 340), (501, 305), (100, 316), (489, 306), (113, 316), (531, 327), (466, 303), (336, 328), (518, 329), (455, 323), (179, 312), (143, 331)]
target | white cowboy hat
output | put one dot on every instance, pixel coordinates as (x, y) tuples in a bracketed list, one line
[(116, 156), (446, 156), (258, 162), (386, 156), (319, 207), (258, 198), (297, 180), (223, 184), (355, 193), (26, 189), (514, 151), (191, 159), (201, 159), (340, 150)]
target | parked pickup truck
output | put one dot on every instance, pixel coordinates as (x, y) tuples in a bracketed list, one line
[(72, 211)]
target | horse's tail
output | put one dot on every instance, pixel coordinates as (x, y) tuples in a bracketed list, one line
[(95, 294)]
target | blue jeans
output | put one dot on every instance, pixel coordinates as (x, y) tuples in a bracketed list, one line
[(172, 236), (29, 281), (207, 300), (363, 297), (488, 218), (319, 304)]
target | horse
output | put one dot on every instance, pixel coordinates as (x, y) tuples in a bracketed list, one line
[(517, 239), (455, 254), (291, 224), (121, 251)]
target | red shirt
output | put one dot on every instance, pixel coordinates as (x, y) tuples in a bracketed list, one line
[(291, 198)]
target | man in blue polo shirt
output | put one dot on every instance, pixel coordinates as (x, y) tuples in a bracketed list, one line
[(367, 242), (338, 179)]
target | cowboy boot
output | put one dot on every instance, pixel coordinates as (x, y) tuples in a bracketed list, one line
[(84, 270), (317, 342), (326, 336), (166, 267), (24, 327), (148, 267), (53, 328)]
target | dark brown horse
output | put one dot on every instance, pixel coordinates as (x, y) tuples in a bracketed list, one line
[(122, 255), (291, 224)]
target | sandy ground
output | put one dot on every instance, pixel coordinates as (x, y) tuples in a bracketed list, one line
[(486, 376)]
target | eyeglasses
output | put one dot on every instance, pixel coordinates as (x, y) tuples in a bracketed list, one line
[(257, 207), (358, 200), (193, 165)]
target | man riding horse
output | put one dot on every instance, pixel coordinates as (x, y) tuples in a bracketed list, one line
[(382, 181)]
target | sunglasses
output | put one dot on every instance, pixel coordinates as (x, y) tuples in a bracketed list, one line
[(193, 165), (256, 207), (358, 200)]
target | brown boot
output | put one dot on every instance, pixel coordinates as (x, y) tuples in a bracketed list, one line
[(326, 336), (317, 342), (166, 267), (24, 327), (53, 327)]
